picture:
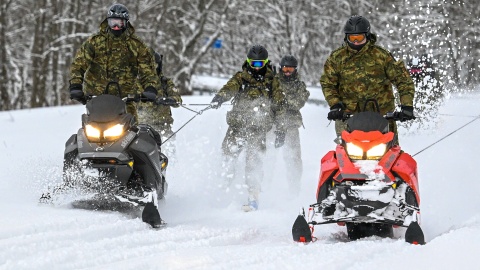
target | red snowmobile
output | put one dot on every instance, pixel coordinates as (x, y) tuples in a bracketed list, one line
[(367, 183)]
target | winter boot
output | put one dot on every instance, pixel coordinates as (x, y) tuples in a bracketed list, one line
[(252, 204), (151, 216)]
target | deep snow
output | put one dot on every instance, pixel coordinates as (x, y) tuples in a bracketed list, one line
[(206, 228)]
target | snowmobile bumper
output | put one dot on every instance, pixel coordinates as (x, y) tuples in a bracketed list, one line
[(113, 166), (375, 202)]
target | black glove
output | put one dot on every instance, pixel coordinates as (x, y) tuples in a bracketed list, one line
[(150, 93), (216, 102), (168, 101), (279, 138), (406, 113), (76, 93), (336, 112)]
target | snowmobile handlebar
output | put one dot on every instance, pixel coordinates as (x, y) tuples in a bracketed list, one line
[(395, 116), (128, 99)]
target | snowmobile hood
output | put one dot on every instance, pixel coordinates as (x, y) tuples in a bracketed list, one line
[(105, 108)]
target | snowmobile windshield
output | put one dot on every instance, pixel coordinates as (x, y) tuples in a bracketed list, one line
[(367, 136), (367, 121), (105, 108)]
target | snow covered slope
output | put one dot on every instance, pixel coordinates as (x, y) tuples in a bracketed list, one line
[(206, 228)]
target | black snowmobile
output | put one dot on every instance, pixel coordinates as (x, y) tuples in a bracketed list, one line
[(115, 159)]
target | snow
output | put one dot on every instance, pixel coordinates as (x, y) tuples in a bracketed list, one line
[(206, 228)]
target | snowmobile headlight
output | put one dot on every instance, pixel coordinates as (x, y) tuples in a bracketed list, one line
[(354, 151), (377, 151), (92, 132), (114, 131)]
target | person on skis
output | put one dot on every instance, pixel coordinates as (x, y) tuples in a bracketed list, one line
[(116, 54), (289, 82), (251, 117), (160, 116), (361, 70)]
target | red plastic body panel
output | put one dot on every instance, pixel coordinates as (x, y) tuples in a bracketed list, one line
[(406, 168), (393, 161)]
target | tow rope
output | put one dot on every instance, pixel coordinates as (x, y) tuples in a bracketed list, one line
[(444, 137)]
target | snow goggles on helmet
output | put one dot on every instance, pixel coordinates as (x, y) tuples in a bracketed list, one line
[(118, 23), (287, 69), (257, 63), (356, 37)]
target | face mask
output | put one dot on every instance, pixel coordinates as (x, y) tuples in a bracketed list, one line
[(356, 47)]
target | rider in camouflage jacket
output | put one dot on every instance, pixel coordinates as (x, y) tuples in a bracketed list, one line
[(115, 53), (361, 70), (160, 116), (254, 102), (288, 122)]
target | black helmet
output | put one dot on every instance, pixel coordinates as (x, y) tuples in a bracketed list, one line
[(289, 61), (356, 25), (257, 52), (118, 11)]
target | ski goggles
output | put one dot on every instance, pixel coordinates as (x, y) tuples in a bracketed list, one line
[(356, 37), (257, 63), (116, 23), (286, 69)]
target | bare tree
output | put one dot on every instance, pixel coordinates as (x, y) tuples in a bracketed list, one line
[(38, 39)]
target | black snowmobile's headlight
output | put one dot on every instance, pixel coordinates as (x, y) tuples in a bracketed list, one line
[(96, 134), (113, 132)]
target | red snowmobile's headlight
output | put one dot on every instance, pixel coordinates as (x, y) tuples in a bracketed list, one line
[(366, 145)]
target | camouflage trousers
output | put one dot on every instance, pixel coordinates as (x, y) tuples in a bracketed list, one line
[(342, 125), (151, 115), (253, 141), (292, 155)]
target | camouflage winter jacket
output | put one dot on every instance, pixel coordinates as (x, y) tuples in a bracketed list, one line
[(159, 115), (104, 58), (296, 94), (254, 99), (352, 77)]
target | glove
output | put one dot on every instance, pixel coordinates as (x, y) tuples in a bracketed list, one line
[(406, 113), (150, 93), (279, 138), (76, 93), (168, 101), (216, 102), (336, 112)]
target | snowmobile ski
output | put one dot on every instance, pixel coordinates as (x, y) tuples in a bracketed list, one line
[(414, 234), (301, 231)]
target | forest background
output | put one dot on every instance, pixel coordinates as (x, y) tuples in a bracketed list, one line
[(39, 38)]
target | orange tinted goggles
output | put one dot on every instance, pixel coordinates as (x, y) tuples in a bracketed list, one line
[(356, 38), (286, 69)]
